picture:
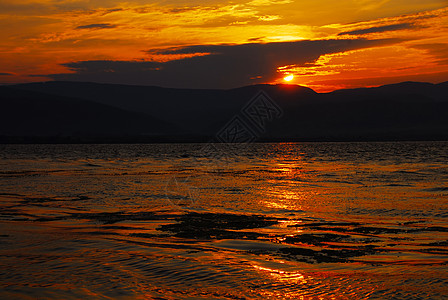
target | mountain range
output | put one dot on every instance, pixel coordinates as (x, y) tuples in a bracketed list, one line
[(92, 112)]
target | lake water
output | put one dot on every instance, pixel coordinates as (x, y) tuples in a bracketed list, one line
[(217, 221)]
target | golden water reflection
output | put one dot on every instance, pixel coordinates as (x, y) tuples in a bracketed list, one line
[(325, 221)]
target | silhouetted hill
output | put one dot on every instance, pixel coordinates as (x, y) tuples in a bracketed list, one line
[(434, 91), (203, 111), (29, 113), (403, 111)]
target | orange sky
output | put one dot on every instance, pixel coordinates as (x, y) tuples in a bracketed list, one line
[(116, 41)]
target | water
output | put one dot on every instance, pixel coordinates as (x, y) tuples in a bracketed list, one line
[(196, 221)]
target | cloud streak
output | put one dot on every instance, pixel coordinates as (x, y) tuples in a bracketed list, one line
[(378, 29), (226, 66), (97, 26)]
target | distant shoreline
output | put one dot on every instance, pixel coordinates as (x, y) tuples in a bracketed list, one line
[(89, 113), (187, 140)]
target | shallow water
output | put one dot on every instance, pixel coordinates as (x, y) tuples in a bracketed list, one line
[(191, 221)]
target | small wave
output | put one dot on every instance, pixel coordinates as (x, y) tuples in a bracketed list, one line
[(409, 172), (91, 165), (343, 181), (437, 189), (392, 212), (397, 184)]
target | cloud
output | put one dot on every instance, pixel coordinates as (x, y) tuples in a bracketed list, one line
[(378, 29), (24, 9), (256, 39), (97, 26), (439, 51), (6, 74), (342, 83), (224, 66)]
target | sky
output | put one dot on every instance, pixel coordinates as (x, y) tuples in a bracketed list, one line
[(324, 44)]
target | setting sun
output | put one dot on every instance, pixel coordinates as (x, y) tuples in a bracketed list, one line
[(289, 77)]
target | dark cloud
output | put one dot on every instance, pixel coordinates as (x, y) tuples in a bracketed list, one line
[(437, 50), (379, 29), (226, 66), (38, 75), (183, 9), (256, 39), (97, 26), (112, 10), (6, 74)]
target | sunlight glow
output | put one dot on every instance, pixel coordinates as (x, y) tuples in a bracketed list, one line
[(289, 77)]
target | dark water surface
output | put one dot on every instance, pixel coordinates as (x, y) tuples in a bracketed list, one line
[(196, 221)]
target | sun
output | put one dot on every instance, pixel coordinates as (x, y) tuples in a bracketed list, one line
[(288, 78)]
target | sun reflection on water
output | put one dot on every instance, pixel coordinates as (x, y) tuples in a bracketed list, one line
[(339, 224), (292, 277)]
